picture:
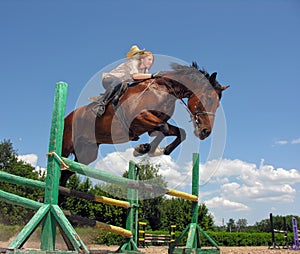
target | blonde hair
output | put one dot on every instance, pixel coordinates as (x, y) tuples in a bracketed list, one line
[(146, 53), (139, 56)]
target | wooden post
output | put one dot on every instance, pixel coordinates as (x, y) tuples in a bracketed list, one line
[(130, 245), (53, 167), (193, 231)]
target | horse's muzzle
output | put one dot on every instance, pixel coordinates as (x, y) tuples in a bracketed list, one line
[(202, 133)]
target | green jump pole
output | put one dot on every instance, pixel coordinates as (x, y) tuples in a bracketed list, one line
[(195, 187), (17, 200), (53, 168), (128, 183), (130, 244), (193, 231), (10, 178)]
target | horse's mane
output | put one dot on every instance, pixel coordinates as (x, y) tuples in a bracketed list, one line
[(195, 74)]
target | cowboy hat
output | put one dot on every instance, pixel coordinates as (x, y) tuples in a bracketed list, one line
[(133, 51)]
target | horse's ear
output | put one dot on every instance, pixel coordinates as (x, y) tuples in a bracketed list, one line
[(212, 77), (224, 87)]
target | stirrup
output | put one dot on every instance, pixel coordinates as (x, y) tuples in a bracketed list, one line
[(99, 109)]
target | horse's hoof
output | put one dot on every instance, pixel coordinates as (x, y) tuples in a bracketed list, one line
[(136, 154), (141, 149), (158, 151), (136, 138)]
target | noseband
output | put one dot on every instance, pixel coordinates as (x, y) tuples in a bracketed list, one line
[(200, 113), (204, 113), (194, 116)]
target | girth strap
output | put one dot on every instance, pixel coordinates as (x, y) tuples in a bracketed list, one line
[(119, 113)]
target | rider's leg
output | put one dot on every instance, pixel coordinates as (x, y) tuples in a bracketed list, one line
[(120, 90), (111, 85)]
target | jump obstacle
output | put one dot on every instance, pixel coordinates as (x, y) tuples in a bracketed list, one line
[(277, 231), (50, 215), (296, 245), (155, 239)]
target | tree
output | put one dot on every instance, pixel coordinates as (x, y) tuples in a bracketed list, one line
[(8, 155), (231, 225), (14, 214), (241, 224), (176, 211), (78, 206), (150, 208), (205, 219)]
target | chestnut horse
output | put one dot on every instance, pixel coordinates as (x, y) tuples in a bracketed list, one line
[(144, 107)]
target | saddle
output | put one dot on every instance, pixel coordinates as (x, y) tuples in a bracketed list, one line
[(113, 96)]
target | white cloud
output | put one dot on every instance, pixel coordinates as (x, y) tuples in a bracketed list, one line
[(286, 142), (234, 186), (296, 141), (117, 162), (32, 159), (29, 159), (225, 204), (242, 185), (281, 142)]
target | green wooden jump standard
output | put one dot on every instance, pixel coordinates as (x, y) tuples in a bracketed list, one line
[(193, 242), (49, 214), (130, 245)]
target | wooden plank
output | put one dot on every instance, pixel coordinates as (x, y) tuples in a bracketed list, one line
[(10, 178), (17, 200)]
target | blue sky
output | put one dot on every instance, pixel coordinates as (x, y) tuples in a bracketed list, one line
[(253, 45)]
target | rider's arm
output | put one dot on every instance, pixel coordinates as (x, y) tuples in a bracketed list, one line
[(140, 76)]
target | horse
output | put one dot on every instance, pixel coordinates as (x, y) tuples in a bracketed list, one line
[(145, 107)]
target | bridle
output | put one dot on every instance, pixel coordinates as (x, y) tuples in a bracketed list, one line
[(197, 113)]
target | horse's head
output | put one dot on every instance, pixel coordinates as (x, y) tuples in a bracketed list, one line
[(203, 103), (204, 93)]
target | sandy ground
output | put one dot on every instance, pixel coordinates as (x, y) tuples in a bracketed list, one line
[(164, 249)]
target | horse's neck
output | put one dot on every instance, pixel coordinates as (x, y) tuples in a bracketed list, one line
[(177, 88)]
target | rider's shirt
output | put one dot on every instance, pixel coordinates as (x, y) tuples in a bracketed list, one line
[(125, 70)]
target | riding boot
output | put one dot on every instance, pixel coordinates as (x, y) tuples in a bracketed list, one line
[(100, 107), (120, 90)]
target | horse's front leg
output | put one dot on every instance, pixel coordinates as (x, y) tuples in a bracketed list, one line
[(167, 130)]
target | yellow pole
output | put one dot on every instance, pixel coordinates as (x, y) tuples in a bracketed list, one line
[(113, 229), (183, 195), (111, 201)]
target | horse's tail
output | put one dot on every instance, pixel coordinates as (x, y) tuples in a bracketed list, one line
[(67, 143), (67, 147)]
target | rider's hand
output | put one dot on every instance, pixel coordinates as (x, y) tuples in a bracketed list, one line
[(157, 74)]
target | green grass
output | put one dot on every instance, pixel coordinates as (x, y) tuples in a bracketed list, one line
[(6, 232)]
